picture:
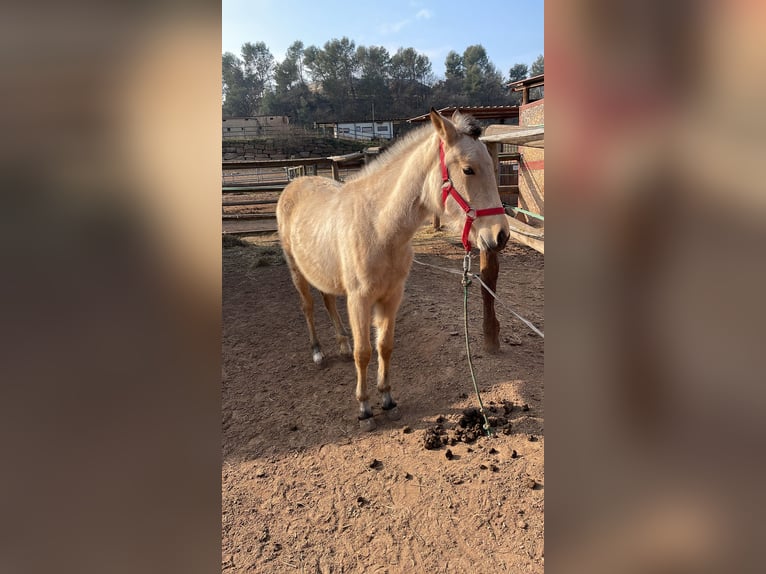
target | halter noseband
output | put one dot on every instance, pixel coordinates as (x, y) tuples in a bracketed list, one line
[(470, 213)]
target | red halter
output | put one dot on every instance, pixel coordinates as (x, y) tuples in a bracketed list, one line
[(470, 213)]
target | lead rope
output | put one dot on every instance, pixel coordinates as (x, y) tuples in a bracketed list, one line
[(466, 282)]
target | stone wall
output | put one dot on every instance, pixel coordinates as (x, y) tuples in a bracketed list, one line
[(287, 147)]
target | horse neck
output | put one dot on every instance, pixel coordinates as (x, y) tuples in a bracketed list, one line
[(409, 192)]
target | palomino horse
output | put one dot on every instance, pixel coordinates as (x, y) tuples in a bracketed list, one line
[(353, 239)]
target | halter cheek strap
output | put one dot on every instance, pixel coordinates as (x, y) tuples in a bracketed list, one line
[(470, 214)]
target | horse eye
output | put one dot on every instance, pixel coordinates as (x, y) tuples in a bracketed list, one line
[(468, 170)]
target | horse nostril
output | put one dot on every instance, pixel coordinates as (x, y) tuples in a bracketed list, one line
[(502, 239)]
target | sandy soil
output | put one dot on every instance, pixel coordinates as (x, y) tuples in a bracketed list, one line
[(304, 490)]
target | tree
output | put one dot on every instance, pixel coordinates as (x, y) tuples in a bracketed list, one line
[(334, 68), (373, 88), (538, 66), (410, 79), (259, 65), (454, 69), (518, 72), (234, 87), (291, 96), (483, 83), (245, 80)]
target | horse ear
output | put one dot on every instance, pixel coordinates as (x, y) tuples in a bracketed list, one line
[(444, 127)]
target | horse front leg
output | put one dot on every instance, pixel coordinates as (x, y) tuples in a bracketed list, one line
[(359, 317), (385, 322)]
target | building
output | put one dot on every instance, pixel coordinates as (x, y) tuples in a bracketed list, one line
[(254, 126), (365, 131)]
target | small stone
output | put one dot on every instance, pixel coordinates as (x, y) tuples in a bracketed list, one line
[(494, 468), (449, 454), (407, 476), (361, 501), (376, 464), (407, 430), (530, 483), (493, 450), (532, 438), (514, 454), (260, 472), (521, 524)]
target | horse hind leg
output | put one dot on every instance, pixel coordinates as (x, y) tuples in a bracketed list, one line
[(307, 305), (340, 331)]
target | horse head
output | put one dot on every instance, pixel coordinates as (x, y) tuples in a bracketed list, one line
[(469, 186)]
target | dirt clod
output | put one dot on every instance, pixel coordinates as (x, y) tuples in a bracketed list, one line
[(493, 450), (514, 454), (432, 438), (361, 501), (530, 483), (376, 464), (449, 454), (407, 430)]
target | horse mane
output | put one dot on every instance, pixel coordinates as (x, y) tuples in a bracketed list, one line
[(467, 124), (464, 123)]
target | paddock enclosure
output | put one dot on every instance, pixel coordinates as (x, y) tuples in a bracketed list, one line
[(304, 490)]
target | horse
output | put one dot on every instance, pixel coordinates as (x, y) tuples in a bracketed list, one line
[(353, 238)]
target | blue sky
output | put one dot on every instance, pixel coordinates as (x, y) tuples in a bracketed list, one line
[(510, 30)]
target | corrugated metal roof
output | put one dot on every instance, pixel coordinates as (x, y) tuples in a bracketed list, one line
[(478, 112)]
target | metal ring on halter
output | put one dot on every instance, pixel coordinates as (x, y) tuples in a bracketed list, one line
[(471, 213), (447, 184)]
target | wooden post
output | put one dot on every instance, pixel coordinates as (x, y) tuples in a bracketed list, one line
[(437, 223), (335, 171), (490, 268)]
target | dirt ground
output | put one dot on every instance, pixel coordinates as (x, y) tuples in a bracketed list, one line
[(304, 490)]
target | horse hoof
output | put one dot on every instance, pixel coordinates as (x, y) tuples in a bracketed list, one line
[(367, 424), (393, 414), (318, 359)]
